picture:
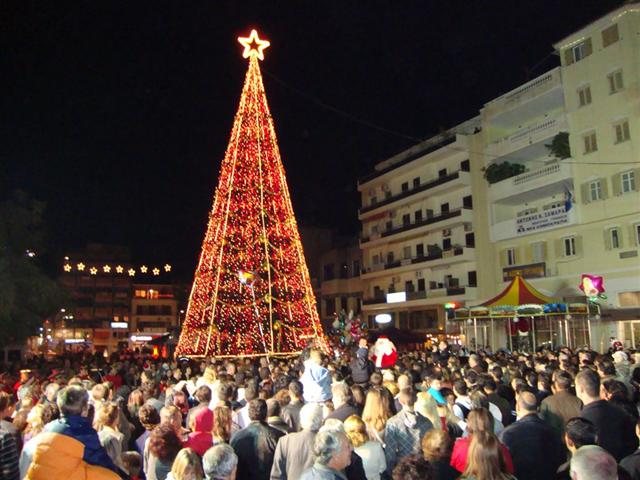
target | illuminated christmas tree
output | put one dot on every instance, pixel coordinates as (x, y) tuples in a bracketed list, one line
[(252, 293)]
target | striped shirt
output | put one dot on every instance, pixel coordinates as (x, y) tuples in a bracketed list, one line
[(8, 457)]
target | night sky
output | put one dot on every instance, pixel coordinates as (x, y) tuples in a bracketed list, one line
[(117, 114)]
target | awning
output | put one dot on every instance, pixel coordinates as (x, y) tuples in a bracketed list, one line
[(518, 292)]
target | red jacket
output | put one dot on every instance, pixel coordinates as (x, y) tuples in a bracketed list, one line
[(461, 450), (201, 440)]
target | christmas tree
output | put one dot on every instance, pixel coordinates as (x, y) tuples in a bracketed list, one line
[(252, 294)]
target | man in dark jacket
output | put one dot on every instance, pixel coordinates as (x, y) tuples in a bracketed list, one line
[(535, 447), (341, 397), (291, 413), (557, 409), (255, 444), (616, 429), (361, 366)]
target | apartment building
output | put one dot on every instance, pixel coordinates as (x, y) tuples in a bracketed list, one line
[(340, 287), (555, 213), (419, 232)]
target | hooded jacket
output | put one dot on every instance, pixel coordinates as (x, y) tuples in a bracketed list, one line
[(60, 457), (361, 367), (201, 440), (316, 382)]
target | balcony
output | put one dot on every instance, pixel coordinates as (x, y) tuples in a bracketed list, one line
[(544, 181), (455, 255), (435, 296), (530, 135), (545, 89), (443, 220), (449, 182), (535, 223)]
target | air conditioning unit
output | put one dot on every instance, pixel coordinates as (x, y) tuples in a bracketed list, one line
[(468, 227), (446, 232)]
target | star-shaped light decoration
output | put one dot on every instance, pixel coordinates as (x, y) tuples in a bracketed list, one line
[(131, 272), (144, 269), (80, 266), (156, 271), (119, 269), (93, 271), (106, 269), (253, 46), (167, 267), (67, 267)]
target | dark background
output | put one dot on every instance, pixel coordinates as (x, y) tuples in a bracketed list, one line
[(117, 114)]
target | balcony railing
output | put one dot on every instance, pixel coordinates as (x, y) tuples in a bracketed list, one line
[(542, 172), (453, 252), (421, 294), (420, 188)]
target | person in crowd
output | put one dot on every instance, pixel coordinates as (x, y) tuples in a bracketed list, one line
[(316, 379), (106, 424), (404, 431), (341, 397), (291, 412), (220, 462), (203, 397), (201, 439), (149, 419), (535, 447), (294, 452), (412, 467), (7, 409), (132, 464), (355, 469), (462, 406), (376, 413), (479, 422), (491, 389), (186, 466), (437, 446), (241, 417), (9, 466), (332, 450), (631, 463), (255, 444), (371, 453), (273, 416), (558, 408), (434, 382), (361, 366), (162, 448), (486, 460), (222, 425), (592, 462), (616, 429)]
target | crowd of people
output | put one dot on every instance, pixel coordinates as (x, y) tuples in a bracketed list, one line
[(434, 415)]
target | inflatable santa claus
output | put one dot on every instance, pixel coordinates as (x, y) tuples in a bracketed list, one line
[(384, 353)]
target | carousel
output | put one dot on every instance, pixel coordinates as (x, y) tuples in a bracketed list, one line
[(522, 318)]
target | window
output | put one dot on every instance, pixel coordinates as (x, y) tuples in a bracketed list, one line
[(465, 166), (374, 200), (418, 215), (416, 182), (442, 173), (628, 182), (590, 142), (390, 257), (467, 202), (420, 250), (328, 273), (408, 286), (636, 229), (407, 252), (406, 219), (537, 252), (470, 239), (344, 303), (584, 96), (376, 259), (472, 278), (356, 268), (374, 229), (405, 187), (614, 237), (444, 208), (622, 131), (344, 271), (615, 82), (511, 256), (610, 35), (446, 244), (595, 190), (579, 51), (421, 285), (569, 246)]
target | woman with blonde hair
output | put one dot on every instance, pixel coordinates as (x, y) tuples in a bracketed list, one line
[(106, 421), (186, 466), (440, 415), (210, 379), (479, 424), (486, 459), (375, 414), (222, 425), (370, 451)]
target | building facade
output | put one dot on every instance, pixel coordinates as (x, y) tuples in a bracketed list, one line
[(419, 232), (340, 287)]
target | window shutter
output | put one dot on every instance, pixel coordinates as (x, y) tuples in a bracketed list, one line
[(559, 247), (607, 239), (578, 245), (604, 188), (588, 47), (610, 35), (568, 56), (503, 258), (620, 238), (585, 192), (632, 235), (527, 254), (636, 178), (544, 251), (616, 185)]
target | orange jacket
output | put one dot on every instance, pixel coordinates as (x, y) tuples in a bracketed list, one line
[(59, 457)]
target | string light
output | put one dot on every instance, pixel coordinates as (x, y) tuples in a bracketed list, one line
[(93, 271), (144, 269), (67, 267), (119, 269), (131, 272), (167, 268), (251, 228), (106, 269), (80, 267), (156, 271)]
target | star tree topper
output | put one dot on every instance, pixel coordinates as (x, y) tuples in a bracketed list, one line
[(253, 46)]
